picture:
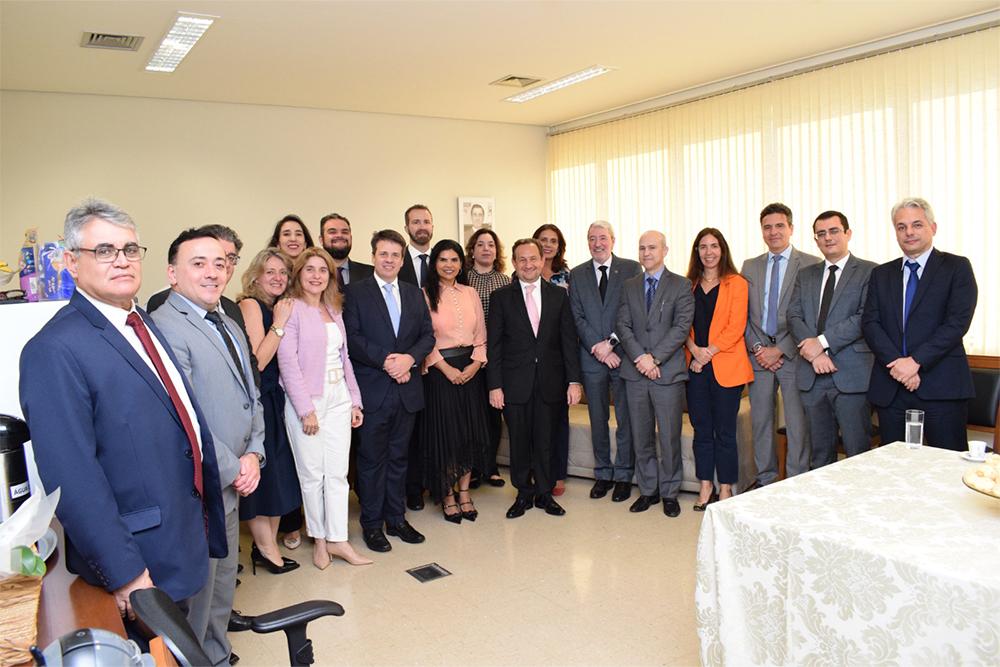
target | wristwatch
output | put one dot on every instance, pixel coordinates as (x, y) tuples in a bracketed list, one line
[(278, 331), (613, 339), (260, 459)]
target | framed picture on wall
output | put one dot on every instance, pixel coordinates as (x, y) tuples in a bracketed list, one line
[(475, 213)]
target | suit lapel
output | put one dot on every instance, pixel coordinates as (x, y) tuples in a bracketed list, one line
[(522, 307), (614, 282), (208, 330), (378, 299), (788, 283), (896, 293), (930, 270), (850, 270)]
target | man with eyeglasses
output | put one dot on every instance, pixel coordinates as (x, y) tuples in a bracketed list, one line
[(834, 362), (115, 425)]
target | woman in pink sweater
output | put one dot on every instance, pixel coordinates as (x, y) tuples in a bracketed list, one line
[(324, 403)]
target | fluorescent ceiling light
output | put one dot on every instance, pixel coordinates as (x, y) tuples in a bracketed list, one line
[(558, 84), (181, 38)]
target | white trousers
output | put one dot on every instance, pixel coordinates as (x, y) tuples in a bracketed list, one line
[(321, 461)]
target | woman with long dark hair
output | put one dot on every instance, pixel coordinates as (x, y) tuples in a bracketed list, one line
[(453, 431), (718, 361), (291, 235)]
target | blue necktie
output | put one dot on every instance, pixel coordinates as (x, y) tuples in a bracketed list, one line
[(771, 326), (650, 291), (911, 291), (393, 306)]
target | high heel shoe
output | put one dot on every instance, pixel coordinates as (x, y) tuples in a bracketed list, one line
[(457, 516), (469, 515), (348, 554), (258, 558), (713, 497)]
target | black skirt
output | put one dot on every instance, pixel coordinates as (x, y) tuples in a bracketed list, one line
[(454, 432)]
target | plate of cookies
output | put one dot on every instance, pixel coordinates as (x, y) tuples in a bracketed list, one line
[(985, 477)]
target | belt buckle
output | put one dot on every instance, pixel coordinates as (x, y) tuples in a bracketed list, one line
[(334, 375)]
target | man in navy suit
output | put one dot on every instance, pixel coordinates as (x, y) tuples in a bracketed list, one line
[(389, 333), (335, 235), (594, 294), (918, 309), (115, 425)]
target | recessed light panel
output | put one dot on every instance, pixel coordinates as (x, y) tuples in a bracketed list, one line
[(559, 84), (179, 40)]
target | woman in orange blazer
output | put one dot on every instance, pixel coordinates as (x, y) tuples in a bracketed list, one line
[(718, 361)]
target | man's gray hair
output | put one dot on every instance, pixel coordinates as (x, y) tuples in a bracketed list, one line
[(603, 224), (914, 202), (223, 233), (89, 209)]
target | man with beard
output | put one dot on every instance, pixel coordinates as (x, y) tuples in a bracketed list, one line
[(335, 235)]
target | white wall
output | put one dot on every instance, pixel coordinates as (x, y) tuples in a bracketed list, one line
[(176, 164)]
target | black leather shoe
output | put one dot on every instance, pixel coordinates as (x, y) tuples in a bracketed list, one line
[(601, 488), (415, 501), (713, 497), (405, 532), (549, 504), (239, 568), (643, 503), (497, 481), (671, 507), (238, 622), (520, 506), (623, 491), (375, 540), (233, 658)]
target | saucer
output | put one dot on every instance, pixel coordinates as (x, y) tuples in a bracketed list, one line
[(968, 457)]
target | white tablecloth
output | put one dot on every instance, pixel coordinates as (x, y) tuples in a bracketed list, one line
[(882, 559)]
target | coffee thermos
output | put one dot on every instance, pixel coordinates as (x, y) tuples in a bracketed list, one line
[(13, 468)]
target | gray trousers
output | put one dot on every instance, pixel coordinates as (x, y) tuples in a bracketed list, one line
[(665, 403), (827, 411), (763, 405), (208, 611), (597, 386)]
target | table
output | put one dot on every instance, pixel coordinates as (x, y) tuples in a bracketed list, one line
[(883, 558)]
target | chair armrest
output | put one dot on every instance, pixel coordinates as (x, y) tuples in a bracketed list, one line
[(297, 614)]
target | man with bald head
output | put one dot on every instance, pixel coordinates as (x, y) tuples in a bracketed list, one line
[(654, 321)]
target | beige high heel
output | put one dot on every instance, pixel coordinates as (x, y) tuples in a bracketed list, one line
[(345, 552), (321, 559)]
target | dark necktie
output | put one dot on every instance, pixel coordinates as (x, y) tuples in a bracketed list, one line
[(423, 270), (911, 291), (216, 319), (824, 304), (650, 291), (340, 279), (771, 325), (602, 284), (133, 320)]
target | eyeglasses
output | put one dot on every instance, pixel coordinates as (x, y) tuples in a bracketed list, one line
[(105, 253), (233, 258), (833, 232)]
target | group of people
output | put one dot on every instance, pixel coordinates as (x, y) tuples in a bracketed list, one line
[(170, 426)]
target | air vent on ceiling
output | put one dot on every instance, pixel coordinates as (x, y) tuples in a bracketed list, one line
[(102, 40), (516, 81)]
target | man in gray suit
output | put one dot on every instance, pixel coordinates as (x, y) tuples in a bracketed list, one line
[(594, 296), (834, 361), (772, 347), (215, 359), (654, 320)]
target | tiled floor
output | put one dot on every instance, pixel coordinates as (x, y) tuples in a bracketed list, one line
[(599, 586)]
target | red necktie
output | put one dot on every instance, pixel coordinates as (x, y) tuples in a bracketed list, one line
[(134, 321)]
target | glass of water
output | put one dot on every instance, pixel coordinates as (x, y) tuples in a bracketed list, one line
[(914, 428)]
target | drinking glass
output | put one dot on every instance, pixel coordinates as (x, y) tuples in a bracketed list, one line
[(914, 428)]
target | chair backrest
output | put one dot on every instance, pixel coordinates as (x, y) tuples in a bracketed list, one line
[(162, 616), (983, 408)]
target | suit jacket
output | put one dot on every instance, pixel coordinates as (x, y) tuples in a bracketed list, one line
[(235, 418), (755, 271), (940, 316), (848, 349), (104, 430), (661, 332), (359, 270), (731, 364), (408, 273), (520, 362), (370, 340), (595, 319)]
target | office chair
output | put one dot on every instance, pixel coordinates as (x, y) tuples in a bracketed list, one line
[(155, 608)]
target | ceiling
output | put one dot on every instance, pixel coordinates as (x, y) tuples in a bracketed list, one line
[(437, 58)]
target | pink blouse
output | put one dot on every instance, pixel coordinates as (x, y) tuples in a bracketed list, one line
[(458, 322)]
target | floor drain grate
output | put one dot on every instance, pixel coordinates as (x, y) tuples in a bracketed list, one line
[(429, 572)]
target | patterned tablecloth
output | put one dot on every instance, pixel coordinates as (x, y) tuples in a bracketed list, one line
[(882, 559)]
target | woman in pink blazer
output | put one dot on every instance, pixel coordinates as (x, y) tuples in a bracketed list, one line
[(324, 403)]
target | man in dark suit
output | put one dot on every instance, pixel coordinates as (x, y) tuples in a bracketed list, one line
[(419, 225), (116, 426), (918, 309), (389, 333), (772, 349), (215, 359), (335, 235), (834, 362), (654, 321), (594, 296), (533, 356)]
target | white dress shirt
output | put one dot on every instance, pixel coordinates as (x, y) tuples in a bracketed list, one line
[(415, 256)]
